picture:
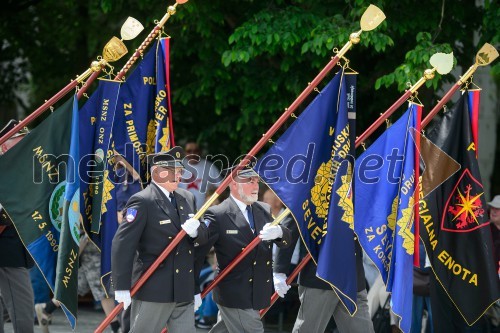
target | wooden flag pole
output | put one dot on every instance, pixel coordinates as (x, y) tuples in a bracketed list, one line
[(485, 56), (253, 244), (114, 50)]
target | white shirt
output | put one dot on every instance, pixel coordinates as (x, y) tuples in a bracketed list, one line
[(167, 193), (243, 207)]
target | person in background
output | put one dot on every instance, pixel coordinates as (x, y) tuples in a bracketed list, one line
[(318, 301), (277, 208), (15, 283), (494, 206), (493, 312), (201, 174), (89, 279)]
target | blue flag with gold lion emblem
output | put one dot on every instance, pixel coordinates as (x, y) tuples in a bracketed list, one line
[(306, 169), (384, 208)]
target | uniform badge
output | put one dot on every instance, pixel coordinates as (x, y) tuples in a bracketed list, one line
[(231, 232), (165, 221), (131, 214)]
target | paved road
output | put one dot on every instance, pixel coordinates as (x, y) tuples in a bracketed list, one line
[(88, 320)]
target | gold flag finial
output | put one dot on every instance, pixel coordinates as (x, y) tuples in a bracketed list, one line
[(115, 48), (131, 28), (485, 56), (371, 18), (441, 63)]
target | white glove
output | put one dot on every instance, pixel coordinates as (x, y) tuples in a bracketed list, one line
[(280, 285), (197, 302), (191, 227), (123, 296), (271, 232)]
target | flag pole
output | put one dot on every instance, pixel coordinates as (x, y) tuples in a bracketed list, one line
[(428, 75), (171, 10), (70, 86), (370, 19), (241, 256), (289, 280), (485, 56), (114, 50)]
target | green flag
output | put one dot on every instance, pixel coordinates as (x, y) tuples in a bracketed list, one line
[(32, 185)]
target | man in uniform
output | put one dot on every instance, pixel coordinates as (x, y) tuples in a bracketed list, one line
[(232, 225), (152, 218), (318, 300)]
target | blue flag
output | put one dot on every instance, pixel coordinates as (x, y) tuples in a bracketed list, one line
[(96, 125), (141, 113), (384, 208), (301, 168), (142, 126), (338, 252)]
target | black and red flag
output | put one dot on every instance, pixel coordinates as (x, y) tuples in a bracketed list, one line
[(454, 222)]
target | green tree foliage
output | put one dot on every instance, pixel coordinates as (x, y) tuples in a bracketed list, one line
[(236, 64)]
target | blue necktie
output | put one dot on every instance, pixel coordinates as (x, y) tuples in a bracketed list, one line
[(250, 218), (172, 199)]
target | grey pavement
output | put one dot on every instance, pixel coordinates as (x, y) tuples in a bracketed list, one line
[(88, 320)]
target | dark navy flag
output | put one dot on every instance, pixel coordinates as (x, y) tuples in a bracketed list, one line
[(66, 291), (96, 125), (454, 221), (134, 130), (385, 205), (337, 258), (142, 126), (301, 168)]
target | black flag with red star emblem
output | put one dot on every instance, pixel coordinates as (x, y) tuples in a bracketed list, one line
[(454, 222)]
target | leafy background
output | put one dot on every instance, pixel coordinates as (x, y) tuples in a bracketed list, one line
[(236, 64)]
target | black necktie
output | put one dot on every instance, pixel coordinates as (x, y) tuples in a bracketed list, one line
[(172, 199), (250, 218)]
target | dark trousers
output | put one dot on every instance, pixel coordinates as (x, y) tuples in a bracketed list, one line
[(17, 294)]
